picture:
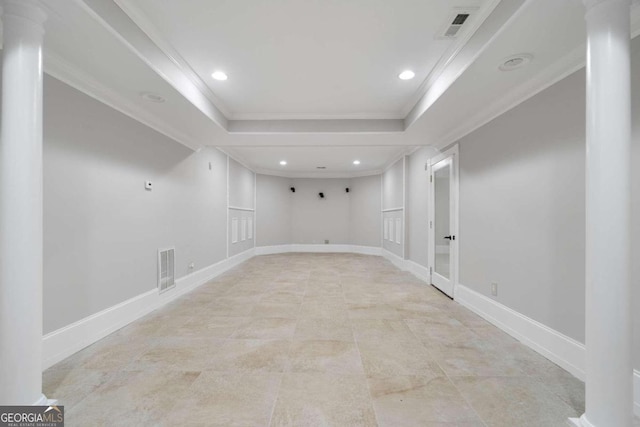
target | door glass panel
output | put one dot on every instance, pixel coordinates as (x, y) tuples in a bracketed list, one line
[(442, 217)]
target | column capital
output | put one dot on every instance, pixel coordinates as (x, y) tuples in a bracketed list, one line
[(29, 10)]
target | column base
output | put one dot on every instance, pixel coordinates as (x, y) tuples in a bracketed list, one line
[(580, 422)]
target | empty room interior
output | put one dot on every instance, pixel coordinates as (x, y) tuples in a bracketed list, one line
[(320, 213)]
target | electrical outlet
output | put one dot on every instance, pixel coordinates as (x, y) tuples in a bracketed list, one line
[(326, 241), (494, 289)]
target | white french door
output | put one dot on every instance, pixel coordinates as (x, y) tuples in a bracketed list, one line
[(443, 221)]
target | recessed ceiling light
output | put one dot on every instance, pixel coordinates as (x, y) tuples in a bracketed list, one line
[(406, 75), (283, 162), (152, 97), (356, 162), (219, 75), (515, 61)]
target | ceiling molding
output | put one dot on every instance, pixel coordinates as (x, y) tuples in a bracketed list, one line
[(138, 18), (111, 17), (236, 158), (315, 126), (546, 78), (503, 14), (453, 51), (305, 116), (516, 96), (393, 160), (316, 175), (128, 23), (62, 70)]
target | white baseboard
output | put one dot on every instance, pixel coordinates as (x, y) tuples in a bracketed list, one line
[(395, 259), (636, 392), (560, 349), (64, 342), (311, 248)]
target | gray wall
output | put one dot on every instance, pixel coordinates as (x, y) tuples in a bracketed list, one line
[(241, 186), (522, 196), (241, 195), (365, 226), (102, 229), (273, 210), (393, 186), (314, 220), (302, 217), (418, 207)]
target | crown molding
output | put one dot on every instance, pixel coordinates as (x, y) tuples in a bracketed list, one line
[(452, 52), (313, 116), (546, 78), (503, 13), (62, 70), (315, 126), (113, 19), (317, 175), (138, 18), (541, 81)]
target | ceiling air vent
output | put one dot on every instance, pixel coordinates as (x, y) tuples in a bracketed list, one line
[(455, 23), (166, 269)]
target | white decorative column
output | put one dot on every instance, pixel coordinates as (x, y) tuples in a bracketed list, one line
[(609, 369), (21, 205)]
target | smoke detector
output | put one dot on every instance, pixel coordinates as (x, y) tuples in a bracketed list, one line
[(514, 62), (152, 97)]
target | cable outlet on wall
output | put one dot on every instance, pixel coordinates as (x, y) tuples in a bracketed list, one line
[(326, 241), (494, 289), (192, 266), (148, 185)]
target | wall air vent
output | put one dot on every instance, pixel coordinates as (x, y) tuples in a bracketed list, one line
[(455, 23), (321, 167), (166, 269)]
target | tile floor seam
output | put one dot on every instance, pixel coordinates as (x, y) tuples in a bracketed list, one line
[(386, 299), (449, 378), (373, 407)]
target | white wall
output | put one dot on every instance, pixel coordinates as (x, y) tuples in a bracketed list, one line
[(241, 231), (102, 229), (314, 220), (394, 242), (635, 190), (365, 226)]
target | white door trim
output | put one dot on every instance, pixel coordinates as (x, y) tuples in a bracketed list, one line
[(452, 152)]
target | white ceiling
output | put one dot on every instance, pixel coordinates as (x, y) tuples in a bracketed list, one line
[(331, 60), (304, 59), (306, 160)]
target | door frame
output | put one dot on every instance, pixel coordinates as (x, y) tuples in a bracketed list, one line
[(454, 201)]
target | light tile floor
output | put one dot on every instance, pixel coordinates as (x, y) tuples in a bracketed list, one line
[(313, 340)]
